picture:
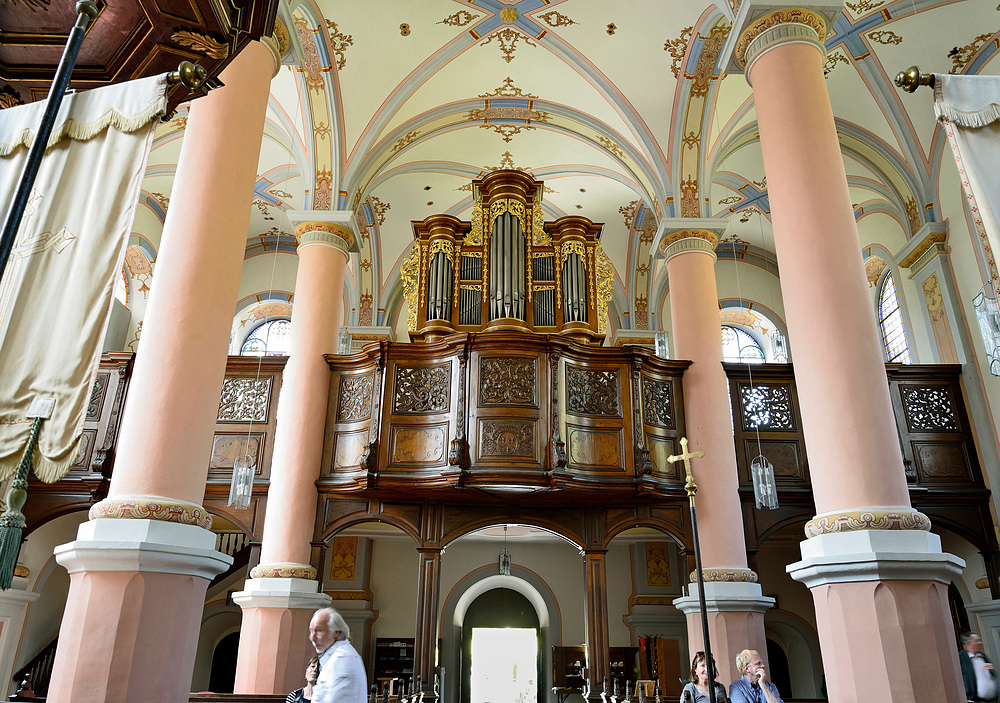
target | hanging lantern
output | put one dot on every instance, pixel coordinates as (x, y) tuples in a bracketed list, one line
[(344, 341), (779, 347), (988, 316), (505, 556), (764, 490), (661, 344), (242, 483)]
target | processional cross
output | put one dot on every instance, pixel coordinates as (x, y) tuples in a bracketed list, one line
[(692, 488)]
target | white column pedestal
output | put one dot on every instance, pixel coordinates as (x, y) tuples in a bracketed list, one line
[(281, 593)]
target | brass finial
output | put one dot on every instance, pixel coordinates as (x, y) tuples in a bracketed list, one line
[(911, 79), (188, 74)]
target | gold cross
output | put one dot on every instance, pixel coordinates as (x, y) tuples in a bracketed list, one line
[(686, 457)]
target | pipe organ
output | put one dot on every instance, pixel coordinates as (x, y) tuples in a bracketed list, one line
[(507, 269)]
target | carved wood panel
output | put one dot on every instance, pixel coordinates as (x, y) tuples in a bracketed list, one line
[(507, 381), (593, 392), (355, 398), (657, 407), (349, 448), (227, 448), (244, 399), (595, 449), (422, 389), (97, 394), (506, 439), (419, 446)]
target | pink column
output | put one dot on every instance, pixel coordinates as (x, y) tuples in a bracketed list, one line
[(281, 594), (140, 567), (733, 596), (879, 579)]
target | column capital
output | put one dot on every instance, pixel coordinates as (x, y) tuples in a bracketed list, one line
[(277, 43), (331, 227), (764, 24), (678, 235), (924, 240)]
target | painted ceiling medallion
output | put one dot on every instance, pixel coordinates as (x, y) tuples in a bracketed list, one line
[(509, 14)]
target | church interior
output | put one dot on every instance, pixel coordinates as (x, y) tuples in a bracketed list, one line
[(415, 312)]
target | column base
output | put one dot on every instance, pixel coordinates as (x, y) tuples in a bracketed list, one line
[(274, 638), (885, 629), (133, 613), (735, 622)]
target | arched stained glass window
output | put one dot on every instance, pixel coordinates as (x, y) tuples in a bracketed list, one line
[(890, 320), (268, 339), (739, 346)]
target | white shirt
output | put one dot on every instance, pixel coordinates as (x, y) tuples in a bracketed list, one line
[(341, 677), (986, 686)]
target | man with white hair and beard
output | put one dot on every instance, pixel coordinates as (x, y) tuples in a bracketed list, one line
[(342, 676)]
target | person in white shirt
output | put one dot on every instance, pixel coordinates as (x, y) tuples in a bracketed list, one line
[(342, 676), (978, 674)]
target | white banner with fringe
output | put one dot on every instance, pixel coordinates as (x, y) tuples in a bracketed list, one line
[(969, 109), (55, 296)]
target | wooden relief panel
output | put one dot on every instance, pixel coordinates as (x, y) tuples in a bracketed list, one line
[(343, 558), (593, 392), (244, 399), (656, 404), (349, 446), (659, 450), (784, 457), (423, 389), (941, 461), (507, 381), (419, 446), (657, 563), (501, 438), (928, 409), (767, 407), (355, 402), (87, 440), (227, 448), (595, 449), (101, 382)]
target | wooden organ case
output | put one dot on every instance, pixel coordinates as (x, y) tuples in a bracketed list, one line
[(507, 269)]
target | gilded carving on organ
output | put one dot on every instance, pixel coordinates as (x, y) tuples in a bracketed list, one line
[(507, 381), (422, 389), (592, 392), (355, 398)]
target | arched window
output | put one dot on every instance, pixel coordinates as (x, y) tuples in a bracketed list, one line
[(737, 345), (121, 287), (268, 339), (890, 320)]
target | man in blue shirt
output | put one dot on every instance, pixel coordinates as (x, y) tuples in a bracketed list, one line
[(753, 686)]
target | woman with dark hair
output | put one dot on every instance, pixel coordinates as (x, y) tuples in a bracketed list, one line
[(696, 691), (304, 694)]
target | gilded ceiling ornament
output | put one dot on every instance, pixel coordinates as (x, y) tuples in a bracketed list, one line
[(690, 140), (735, 240), (404, 30), (747, 212), (676, 48), (405, 139), (933, 297), (506, 163), (380, 209), (323, 195), (509, 14), (339, 43), (731, 199), (960, 56), (760, 185), (162, 200), (310, 69), (913, 214), (201, 43), (322, 130), (459, 19), (507, 90), (555, 19), (648, 230), (280, 35), (611, 146), (689, 198), (628, 212), (266, 310), (611, 29), (466, 187), (859, 8), (710, 49), (494, 112), (9, 97), (32, 5), (507, 38), (921, 249), (507, 131), (135, 338), (832, 59), (885, 37)]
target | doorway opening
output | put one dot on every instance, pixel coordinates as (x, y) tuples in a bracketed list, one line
[(504, 665)]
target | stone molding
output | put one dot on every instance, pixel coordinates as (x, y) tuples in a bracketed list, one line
[(143, 546), (725, 597), (724, 574), (329, 235), (925, 238), (867, 519), (689, 241), (792, 25), (151, 508), (283, 571), (935, 250), (874, 555), (294, 593)]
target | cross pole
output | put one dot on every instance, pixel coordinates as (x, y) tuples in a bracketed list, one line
[(691, 488)]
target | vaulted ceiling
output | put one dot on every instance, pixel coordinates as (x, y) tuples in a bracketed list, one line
[(390, 107)]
